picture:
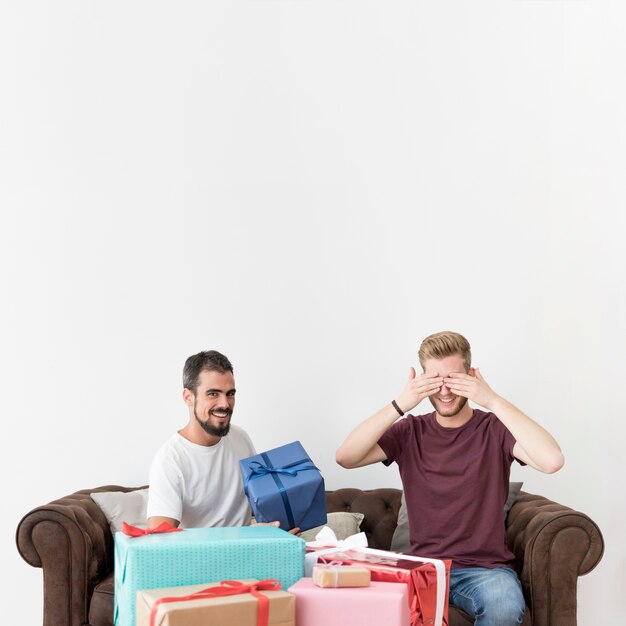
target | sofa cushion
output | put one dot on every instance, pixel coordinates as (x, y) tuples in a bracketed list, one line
[(458, 617), (101, 607)]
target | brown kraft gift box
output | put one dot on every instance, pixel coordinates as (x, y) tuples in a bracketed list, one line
[(232, 610), (341, 576)]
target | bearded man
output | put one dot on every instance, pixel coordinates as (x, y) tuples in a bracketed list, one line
[(195, 480), (455, 464)]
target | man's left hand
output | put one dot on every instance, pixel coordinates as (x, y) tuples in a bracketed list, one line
[(473, 387), (293, 531)]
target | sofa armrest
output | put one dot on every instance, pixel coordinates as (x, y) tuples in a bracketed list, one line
[(71, 540), (553, 546)]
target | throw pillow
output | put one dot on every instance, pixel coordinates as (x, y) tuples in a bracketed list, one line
[(119, 506), (400, 540), (514, 489), (343, 524)]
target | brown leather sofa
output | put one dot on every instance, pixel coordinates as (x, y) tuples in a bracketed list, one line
[(70, 539)]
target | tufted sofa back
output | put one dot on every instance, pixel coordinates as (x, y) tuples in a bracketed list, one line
[(380, 507)]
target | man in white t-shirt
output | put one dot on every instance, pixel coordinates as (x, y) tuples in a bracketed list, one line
[(195, 480)]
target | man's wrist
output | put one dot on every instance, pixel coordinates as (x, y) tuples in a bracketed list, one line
[(400, 411), (497, 404)]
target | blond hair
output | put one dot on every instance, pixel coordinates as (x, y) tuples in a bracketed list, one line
[(441, 345)]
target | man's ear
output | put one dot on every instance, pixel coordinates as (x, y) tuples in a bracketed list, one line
[(188, 396), (472, 372)]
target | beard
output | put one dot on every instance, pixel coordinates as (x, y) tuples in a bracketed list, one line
[(449, 410), (210, 429)]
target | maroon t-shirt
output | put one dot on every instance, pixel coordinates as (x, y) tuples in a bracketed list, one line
[(456, 481)]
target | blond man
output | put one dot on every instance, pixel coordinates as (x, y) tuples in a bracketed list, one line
[(455, 463)]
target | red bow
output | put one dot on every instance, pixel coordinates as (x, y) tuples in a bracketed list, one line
[(133, 531), (228, 588)]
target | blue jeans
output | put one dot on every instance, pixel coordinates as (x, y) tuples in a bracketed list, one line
[(493, 597)]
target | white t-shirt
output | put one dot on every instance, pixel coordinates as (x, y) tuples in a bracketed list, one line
[(201, 486)]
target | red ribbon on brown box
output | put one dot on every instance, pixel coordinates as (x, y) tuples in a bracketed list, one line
[(228, 588)]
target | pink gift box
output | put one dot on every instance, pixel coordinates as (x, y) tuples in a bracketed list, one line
[(419, 575), (380, 603)]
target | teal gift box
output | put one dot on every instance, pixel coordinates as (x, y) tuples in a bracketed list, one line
[(201, 555)]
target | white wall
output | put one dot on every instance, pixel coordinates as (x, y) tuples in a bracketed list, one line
[(310, 187)]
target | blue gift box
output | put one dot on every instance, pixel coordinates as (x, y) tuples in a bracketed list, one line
[(284, 485), (201, 555)]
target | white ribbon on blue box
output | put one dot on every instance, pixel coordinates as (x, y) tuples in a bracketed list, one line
[(284, 485)]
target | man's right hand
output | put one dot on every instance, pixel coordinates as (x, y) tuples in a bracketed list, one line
[(417, 388), (361, 445), (293, 531)]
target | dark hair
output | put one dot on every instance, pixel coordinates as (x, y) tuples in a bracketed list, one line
[(207, 360)]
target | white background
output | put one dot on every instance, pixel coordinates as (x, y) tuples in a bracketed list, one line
[(311, 187)]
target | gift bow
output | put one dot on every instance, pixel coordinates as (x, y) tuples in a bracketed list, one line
[(332, 566), (259, 469), (134, 531), (326, 538), (228, 588), (326, 563)]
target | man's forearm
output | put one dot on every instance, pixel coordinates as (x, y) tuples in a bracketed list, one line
[(360, 445), (534, 445), (537, 443), (155, 521)]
